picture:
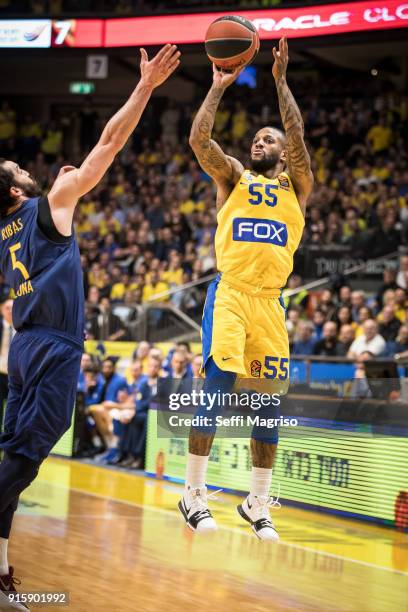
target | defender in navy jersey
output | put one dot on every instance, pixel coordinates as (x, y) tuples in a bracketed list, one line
[(39, 258)]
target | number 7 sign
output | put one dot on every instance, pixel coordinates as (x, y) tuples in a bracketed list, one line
[(96, 66)]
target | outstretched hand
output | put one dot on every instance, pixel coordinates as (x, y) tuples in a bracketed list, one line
[(281, 60), (225, 79), (158, 70)]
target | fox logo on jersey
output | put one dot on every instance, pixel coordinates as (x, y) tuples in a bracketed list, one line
[(245, 229)]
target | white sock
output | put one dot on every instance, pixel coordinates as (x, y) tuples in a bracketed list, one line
[(112, 442), (4, 567), (261, 479), (196, 471)]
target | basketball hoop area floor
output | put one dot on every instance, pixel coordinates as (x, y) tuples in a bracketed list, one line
[(116, 541)]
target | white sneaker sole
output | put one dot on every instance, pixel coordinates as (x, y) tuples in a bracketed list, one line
[(246, 518)]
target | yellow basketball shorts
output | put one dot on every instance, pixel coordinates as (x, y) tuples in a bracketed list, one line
[(245, 333)]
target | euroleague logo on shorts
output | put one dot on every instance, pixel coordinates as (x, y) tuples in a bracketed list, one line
[(256, 368)]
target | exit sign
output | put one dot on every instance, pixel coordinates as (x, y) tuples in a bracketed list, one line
[(81, 87)]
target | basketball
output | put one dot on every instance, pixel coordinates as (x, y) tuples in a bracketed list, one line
[(231, 41)]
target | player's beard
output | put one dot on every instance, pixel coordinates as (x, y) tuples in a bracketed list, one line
[(264, 164), (30, 187)]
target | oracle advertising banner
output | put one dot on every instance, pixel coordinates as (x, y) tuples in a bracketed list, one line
[(191, 28), (271, 24)]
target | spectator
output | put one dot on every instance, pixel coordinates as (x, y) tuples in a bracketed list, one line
[(155, 286), (196, 365), (343, 316), (327, 305), (133, 441), (327, 346), (389, 282), (398, 347), (345, 296), (370, 340), (379, 136), (52, 142), (86, 362), (300, 299), (346, 337), (318, 322), (93, 383), (357, 301), (113, 389), (305, 343), (179, 364), (135, 375), (104, 325), (388, 323), (364, 314), (293, 317), (91, 387), (386, 238)]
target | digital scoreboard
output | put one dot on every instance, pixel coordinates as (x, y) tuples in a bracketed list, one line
[(299, 22)]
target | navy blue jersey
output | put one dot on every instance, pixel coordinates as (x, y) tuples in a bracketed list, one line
[(45, 276)]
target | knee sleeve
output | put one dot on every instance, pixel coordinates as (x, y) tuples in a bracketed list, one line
[(216, 382), (6, 519), (17, 472), (263, 434)]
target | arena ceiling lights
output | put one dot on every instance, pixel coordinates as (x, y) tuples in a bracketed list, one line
[(191, 28)]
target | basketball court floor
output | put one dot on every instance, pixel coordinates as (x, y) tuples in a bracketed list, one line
[(115, 541)]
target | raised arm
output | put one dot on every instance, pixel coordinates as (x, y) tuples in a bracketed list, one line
[(225, 170), (72, 183), (297, 156)]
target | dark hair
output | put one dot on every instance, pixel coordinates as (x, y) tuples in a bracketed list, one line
[(280, 133), (112, 360), (185, 344), (6, 182), (92, 369)]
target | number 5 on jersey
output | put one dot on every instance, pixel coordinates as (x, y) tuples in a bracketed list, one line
[(17, 265)]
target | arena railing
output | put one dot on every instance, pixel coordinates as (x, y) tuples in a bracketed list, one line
[(320, 282), (164, 316)]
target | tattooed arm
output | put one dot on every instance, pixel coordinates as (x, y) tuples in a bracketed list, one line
[(225, 170), (297, 156)]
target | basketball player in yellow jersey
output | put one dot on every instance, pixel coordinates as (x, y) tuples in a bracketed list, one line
[(260, 223)]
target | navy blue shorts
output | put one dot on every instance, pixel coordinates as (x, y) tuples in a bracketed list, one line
[(43, 376)]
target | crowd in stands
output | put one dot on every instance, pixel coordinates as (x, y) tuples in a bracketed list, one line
[(148, 227), (348, 323), (115, 407)]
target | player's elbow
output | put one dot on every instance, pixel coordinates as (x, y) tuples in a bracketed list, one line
[(115, 144), (193, 139)]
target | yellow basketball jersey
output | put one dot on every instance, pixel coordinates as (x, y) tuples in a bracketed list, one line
[(259, 230)]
